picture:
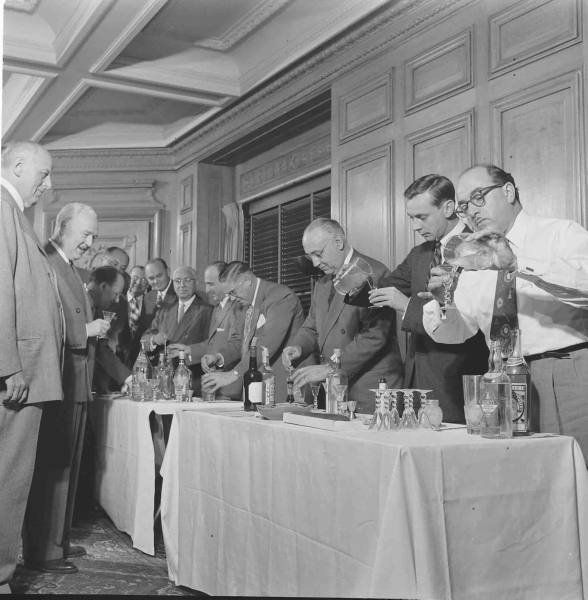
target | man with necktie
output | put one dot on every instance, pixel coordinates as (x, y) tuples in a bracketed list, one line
[(31, 343), (367, 337), (51, 502), (162, 292), (554, 333), (275, 314), (226, 325), (430, 205)]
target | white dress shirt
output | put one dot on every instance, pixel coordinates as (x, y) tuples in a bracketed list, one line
[(555, 249)]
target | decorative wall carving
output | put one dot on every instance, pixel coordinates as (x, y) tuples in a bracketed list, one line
[(538, 136), (288, 165), (530, 30), (439, 72), (185, 243), (233, 249), (367, 106)]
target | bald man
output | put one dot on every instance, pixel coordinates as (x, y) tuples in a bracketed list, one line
[(31, 341)]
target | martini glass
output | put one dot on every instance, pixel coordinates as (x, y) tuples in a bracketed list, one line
[(108, 316)]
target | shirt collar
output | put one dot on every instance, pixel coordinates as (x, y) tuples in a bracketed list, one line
[(187, 303), (223, 301), (348, 257), (61, 252), (14, 193), (256, 290), (163, 293), (518, 231), (138, 299), (455, 231)]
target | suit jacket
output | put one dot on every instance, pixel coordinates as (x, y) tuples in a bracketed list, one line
[(78, 363), (129, 342), (366, 336), (30, 309), (224, 333), (430, 365), (277, 315), (150, 303)]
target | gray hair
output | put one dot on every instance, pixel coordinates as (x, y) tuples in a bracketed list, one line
[(66, 214), (329, 226)]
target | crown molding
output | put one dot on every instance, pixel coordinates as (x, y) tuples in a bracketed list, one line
[(27, 6), (385, 30)]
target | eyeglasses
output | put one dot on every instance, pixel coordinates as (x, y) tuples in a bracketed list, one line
[(184, 281), (477, 198), (318, 254)]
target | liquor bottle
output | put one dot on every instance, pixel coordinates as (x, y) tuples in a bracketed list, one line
[(252, 380), (166, 377), (520, 379), (496, 397), (141, 372), (335, 380), (290, 388), (182, 380), (268, 379)]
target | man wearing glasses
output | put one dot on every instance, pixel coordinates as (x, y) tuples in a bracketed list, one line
[(366, 336), (186, 321), (554, 333)]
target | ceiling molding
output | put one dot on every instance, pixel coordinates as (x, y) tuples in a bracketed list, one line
[(387, 29), (15, 66), (242, 28), (112, 159), (27, 6), (149, 10), (78, 27)]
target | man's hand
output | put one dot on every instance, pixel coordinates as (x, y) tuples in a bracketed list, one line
[(389, 296), (97, 328), (214, 380), (290, 353), (435, 285), (310, 374), (158, 339), (173, 350), (126, 386), (485, 249), (17, 389), (209, 362)]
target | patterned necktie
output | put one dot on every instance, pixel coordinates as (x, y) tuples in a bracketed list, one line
[(181, 311), (437, 256), (134, 313), (331, 293), (504, 315), (247, 326), (160, 296)]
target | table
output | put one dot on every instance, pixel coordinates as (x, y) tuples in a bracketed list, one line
[(269, 508), (125, 462)]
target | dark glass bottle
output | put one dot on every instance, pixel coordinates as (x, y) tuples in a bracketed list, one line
[(252, 381), (520, 379)]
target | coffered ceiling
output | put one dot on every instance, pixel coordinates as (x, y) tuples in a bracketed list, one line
[(142, 73)]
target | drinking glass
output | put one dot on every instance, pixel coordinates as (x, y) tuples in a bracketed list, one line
[(394, 414), (107, 315), (340, 390), (315, 388), (471, 402), (449, 283), (351, 405), (353, 276), (409, 418)]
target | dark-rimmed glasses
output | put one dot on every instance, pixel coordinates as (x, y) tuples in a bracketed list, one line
[(477, 198)]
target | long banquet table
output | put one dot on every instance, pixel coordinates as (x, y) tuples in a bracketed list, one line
[(125, 461), (270, 508)]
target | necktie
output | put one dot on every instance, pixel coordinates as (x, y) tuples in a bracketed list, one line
[(134, 313), (331, 293), (437, 256), (159, 299), (504, 315), (181, 311)]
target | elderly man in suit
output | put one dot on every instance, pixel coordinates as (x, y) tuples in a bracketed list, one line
[(186, 321), (366, 337), (226, 323), (162, 292), (273, 315), (430, 204), (50, 509), (31, 340)]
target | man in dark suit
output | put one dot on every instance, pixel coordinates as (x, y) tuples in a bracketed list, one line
[(31, 342), (366, 337), (430, 204), (50, 509), (185, 322), (273, 315), (162, 292), (226, 323)]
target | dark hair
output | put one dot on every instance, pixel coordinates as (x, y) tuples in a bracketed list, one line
[(233, 270), (154, 261), (499, 175), (107, 275), (438, 186)]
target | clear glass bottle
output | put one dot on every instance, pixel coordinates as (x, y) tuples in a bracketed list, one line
[(336, 380), (496, 394), (520, 379), (182, 380), (252, 381), (141, 375), (166, 378), (268, 379)]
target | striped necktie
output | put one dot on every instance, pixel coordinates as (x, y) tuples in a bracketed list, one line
[(181, 311)]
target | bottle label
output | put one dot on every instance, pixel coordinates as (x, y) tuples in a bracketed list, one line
[(255, 392), (269, 391), (520, 418)]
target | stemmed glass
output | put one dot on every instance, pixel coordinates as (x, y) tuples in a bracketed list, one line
[(376, 421), (108, 316), (353, 276), (394, 414), (423, 398), (340, 390), (315, 388), (449, 282), (409, 418), (351, 405)]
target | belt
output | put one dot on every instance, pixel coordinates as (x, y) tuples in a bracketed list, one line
[(561, 353)]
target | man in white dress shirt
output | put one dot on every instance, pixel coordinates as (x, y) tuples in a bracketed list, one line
[(554, 333)]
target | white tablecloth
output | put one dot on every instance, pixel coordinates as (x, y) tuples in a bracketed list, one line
[(124, 462), (268, 508)]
